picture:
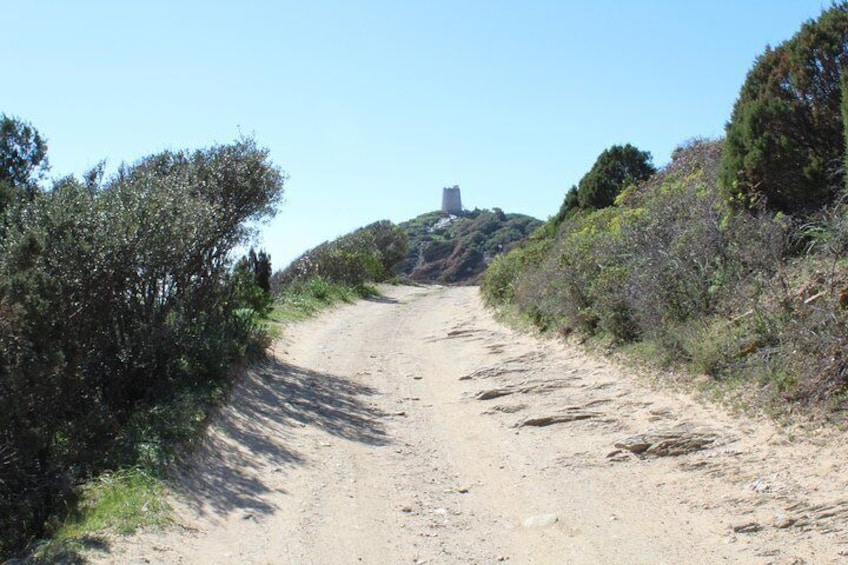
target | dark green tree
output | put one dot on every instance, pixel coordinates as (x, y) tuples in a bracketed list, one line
[(23, 159), (570, 204), (615, 169), (844, 107), (252, 281), (23, 152), (258, 266), (785, 142), (262, 271)]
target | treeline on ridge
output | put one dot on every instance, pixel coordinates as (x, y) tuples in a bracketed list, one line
[(731, 258)]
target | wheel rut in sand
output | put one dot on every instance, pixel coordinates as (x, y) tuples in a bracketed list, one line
[(415, 429)]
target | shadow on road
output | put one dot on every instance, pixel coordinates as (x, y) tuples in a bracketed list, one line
[(251, 442), (336, 404)]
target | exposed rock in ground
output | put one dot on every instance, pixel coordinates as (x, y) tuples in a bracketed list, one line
[(677, 441), (570, 415)]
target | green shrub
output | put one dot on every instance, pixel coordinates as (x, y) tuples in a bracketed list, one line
[(712, 345), (670, 251), (558, 293), (570, 205), (498, 286), (252, 283), (121, 502), (369, 254), (115, 298), (611, 302)]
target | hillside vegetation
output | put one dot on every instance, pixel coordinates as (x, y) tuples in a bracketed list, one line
[(730, 259), (366, 255), (457, 249), (432, 248)]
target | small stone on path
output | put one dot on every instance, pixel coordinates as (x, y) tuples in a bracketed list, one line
[(747, 528), (782, 522), (540, 521)]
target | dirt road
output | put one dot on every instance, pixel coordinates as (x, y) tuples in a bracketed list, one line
[(415, 429)]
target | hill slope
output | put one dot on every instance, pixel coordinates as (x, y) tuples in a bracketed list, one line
[(457, 249)]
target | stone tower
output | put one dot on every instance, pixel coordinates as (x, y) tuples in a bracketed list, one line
[(451, 200)]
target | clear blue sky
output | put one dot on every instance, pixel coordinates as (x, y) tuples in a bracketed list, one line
[(373, 106)]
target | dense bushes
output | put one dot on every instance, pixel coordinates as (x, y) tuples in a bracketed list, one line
[(671, 250), (304, 298), (701, 262), (114, 296), (369, 254), (736, 294), (785, 141)]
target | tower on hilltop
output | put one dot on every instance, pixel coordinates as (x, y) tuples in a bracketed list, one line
[(451, 200)]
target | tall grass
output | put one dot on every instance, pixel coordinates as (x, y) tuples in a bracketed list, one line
[(303, 299)]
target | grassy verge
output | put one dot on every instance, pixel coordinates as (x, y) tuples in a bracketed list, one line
[(304, 299), (134, 495), (122, 502), (119, 502)]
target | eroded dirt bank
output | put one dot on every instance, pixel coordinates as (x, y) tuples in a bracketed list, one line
[(415, 429)]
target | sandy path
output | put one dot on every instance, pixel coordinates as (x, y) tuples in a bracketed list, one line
[(364, 441)]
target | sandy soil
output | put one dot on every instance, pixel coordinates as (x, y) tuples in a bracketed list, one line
[(415, 429)]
